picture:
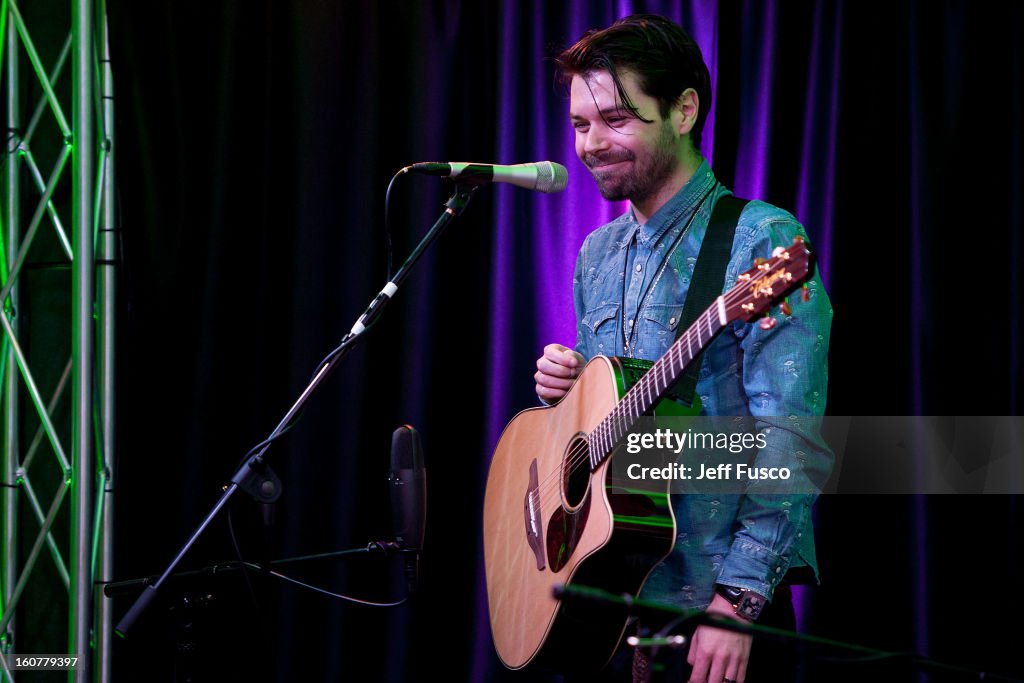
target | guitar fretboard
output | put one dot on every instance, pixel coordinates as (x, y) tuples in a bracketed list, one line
[(653, 385)]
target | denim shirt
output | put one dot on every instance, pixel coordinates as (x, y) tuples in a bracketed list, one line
[(627, 304)]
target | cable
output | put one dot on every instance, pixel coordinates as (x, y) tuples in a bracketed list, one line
[(387, 218), (245, 566), (348, 598), (248, 566)]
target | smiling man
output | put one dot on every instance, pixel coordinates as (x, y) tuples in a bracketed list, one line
[(633, 152), (639, 92)]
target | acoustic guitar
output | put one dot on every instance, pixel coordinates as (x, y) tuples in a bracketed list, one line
[(555, 512)]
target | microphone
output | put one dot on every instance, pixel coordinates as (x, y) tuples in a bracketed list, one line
[(408, 481), (543, 176)]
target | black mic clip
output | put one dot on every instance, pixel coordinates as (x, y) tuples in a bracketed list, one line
[(260, 482), (471, 175), (384, 547)]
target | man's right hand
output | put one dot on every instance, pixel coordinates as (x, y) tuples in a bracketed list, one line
[(557, 369)]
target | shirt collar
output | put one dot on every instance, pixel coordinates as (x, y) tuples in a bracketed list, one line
[(682, 202)]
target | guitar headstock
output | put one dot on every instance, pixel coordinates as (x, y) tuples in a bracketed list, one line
[(769, 281)]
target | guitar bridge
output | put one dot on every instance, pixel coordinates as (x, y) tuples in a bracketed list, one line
[(531, 515)]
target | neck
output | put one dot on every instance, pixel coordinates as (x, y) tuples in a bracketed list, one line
[(646, 207)]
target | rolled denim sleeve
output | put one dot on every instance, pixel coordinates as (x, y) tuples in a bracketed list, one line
[(785, 377)]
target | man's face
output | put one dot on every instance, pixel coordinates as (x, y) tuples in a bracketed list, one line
[(629, 158)]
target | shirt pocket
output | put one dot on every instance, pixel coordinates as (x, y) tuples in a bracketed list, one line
[(599, 329), (659, 333)]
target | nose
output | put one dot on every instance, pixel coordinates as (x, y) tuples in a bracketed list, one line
[(595, 139)]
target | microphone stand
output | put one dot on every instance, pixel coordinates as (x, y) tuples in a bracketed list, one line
[(255, 475)]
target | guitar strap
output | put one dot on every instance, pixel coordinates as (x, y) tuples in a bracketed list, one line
[(708, 280)]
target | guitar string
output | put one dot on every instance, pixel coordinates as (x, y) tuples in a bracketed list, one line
[(617, 420)]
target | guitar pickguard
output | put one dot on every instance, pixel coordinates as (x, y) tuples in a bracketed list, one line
[(564, 531)]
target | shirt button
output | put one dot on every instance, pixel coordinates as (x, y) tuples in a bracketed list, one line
[(639, 267), (631, 323), (671, 321)]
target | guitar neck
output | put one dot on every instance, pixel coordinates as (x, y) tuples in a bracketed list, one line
[(642, 397), (755, 290)]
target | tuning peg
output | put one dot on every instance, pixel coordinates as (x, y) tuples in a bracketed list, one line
[(767, 322), (786, 309)]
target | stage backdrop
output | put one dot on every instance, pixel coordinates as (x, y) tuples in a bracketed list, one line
[(255, 142)]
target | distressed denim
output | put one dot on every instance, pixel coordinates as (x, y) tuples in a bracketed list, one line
[(627, 304)]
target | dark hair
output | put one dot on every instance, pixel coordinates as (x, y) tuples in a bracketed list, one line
[(657, 50)]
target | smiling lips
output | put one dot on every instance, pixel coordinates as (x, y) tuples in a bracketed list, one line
[(597, 163)]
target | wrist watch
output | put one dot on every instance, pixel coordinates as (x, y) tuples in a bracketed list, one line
[(746, 603)]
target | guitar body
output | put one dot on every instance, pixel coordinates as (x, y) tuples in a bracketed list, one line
[(547, 523)]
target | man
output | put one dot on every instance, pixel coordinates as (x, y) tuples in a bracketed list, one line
[(639, 93)]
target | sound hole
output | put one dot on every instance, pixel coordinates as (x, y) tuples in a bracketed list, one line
[(576, 471)]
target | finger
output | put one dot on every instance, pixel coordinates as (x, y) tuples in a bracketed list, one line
[(549, 395), (572, 359), (562, 355), (701, 662), (545, 380), (718, 667), (553, 369), (554, 352), (691, 652), (699, 672), (741, 669)]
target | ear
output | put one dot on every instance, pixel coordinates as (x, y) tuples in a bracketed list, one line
[(686, 110)]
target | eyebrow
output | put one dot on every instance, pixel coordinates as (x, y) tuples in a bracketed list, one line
[(604, 113)]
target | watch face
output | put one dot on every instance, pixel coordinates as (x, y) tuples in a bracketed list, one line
[(750, 606)]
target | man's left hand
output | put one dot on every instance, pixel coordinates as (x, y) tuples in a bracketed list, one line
[(718, 655)]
